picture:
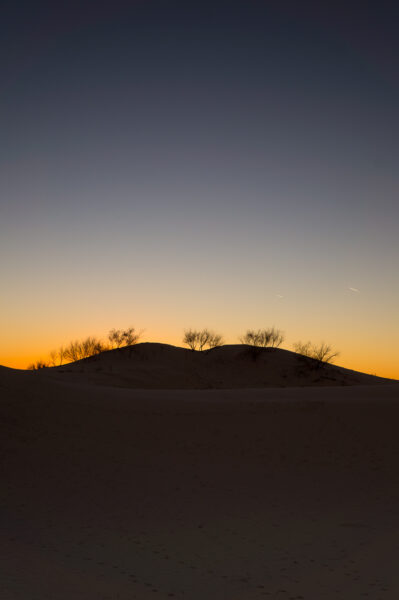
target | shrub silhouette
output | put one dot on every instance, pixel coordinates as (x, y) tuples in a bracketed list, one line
[(78, 350), (61, 355), (39, 364), (191, 339), (53, 358), (90, 346), (84, 349), (251, 338), (203, 339), (215, 340), (263, 338), (198, 340), (316, 355), (123, 337)]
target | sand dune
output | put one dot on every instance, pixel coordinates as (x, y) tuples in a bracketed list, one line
[(118, 493), (161, 366)]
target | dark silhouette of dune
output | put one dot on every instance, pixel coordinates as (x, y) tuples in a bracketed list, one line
[(113, 492), (162, 366)]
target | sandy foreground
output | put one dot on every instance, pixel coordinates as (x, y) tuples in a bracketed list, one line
[(112, 493)]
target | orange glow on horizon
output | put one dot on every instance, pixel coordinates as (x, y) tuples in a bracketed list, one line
[(366, 362)]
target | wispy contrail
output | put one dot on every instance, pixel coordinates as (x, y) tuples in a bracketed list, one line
[(354, 290)]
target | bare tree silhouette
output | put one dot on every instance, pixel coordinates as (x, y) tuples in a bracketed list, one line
[(271, 337), (53, 358), (324, 353), (90, 346), (321, 354), (61, 355), (203, 339), (215, 340), (198, 340), (123, 337), (251, 338), (83, 349), (191, 339), (72, 352), (116, 338), (303, 348), (130, 336), (39, 364)]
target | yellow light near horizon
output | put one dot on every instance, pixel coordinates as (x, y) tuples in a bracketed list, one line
[(383, 365)]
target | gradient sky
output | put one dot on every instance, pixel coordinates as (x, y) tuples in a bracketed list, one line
[(186, 164)]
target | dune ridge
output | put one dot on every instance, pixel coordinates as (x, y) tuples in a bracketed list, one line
[(162, 366), (110, 492)]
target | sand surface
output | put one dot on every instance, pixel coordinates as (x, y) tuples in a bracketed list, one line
[(115, 493), (161, 366)]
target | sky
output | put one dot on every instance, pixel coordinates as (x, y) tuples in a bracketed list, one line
[(229, 165)]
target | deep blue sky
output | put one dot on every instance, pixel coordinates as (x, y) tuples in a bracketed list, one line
[(183, 163)]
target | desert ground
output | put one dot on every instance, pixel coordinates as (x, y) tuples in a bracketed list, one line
[(116, 486)]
